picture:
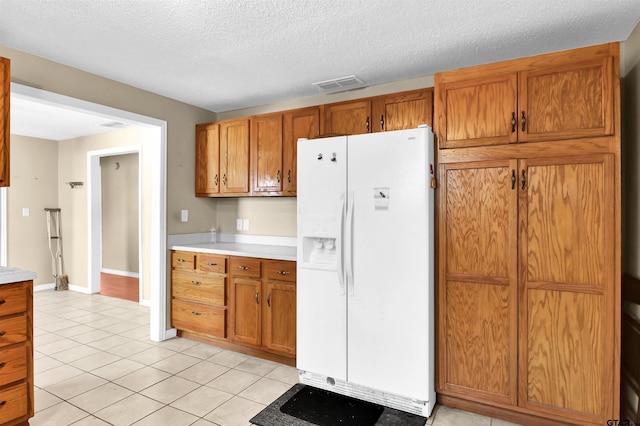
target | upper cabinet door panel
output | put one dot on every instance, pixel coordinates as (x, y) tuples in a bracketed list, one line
[(266, 153), (401, 111), (234, 153), (566, 102), (478, 112), (4, 121), (348, 118), (208, 160), (300, 123)]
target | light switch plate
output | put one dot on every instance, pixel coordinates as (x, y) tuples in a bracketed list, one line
[(184, 215), (245, 224), (238, 224), (26, 212)]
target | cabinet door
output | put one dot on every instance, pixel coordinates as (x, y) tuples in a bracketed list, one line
[(279, 317), (477, 287), (234, 157), (405, 110), (565, 102), (266, 153), (5, 90), (477, 112), (567, 287), (246, 310), (207, 160), (299, 123), (348, 118)]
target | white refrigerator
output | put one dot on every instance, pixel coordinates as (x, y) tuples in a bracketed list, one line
[(365, 267)]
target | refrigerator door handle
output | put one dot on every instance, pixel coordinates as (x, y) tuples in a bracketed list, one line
[(339, 244), (349, 244)]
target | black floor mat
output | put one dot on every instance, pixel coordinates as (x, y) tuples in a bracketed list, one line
[(325, 408), (304, 405)]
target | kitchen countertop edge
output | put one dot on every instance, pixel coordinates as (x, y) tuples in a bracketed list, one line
[(273, 248), (14, 275)]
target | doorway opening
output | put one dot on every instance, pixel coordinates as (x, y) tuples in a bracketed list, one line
[(153, 248)]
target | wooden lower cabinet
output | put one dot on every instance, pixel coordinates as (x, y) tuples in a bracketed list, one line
[(241, 303), (526, 289), (16, 353)]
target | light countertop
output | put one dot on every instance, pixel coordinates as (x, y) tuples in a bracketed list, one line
[(15, 275), (276, 248)]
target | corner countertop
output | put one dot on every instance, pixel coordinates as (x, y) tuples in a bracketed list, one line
[(15, 275), (265, 247)]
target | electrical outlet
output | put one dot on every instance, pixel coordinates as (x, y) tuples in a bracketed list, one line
[(238, 224), (245, 224), (184, 216)]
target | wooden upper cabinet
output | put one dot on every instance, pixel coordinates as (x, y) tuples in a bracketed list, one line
[(5, 90), (234, 157), (559, 96), (347, 118), (207, 160), (299, 123), (266, 153), (566, 102), (406, 110), (480, 111)]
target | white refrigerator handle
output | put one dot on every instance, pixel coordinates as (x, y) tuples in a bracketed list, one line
[(349, 244), (339, 243)]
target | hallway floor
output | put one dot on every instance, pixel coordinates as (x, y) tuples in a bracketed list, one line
[(94, 365)]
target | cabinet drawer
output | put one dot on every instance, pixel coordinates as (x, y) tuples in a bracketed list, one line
[(198, 287), (183, 260), (13, 299), (13, 364), (245, 267), (212, 263), (199, 318), (13, 330), (13, 403), (280, 270)]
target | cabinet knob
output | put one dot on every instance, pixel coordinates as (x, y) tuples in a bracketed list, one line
[(283, 272)]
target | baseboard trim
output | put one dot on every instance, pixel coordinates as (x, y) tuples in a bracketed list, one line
[(146, 303), (43, 287)]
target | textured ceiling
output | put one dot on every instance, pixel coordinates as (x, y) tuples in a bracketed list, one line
[(223, 55), (229, 54)]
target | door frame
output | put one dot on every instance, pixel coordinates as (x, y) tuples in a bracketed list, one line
[(157, 154)]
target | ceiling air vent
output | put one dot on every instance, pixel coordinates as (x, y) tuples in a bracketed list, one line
[(112, 124), (342, 83)]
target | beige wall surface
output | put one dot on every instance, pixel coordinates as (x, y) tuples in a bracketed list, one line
[(72, 166), (181, 119), (34, 177), (120, 210), (630, 94)]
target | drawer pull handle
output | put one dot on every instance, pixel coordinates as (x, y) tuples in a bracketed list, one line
[(212, 264), (2, 302), (283, 272), (269, 299), (3, 332), (196, 313), (195, 282), (2, 364), (257, 297), (3, 403), (244, 268), (181, 260)]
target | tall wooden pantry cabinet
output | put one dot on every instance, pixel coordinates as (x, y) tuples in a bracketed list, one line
[(528, 288)]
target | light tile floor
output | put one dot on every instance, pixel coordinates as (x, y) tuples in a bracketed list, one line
[(94, 365)]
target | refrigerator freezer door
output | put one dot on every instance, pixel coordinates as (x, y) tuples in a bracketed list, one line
[(388, 313), (321, 299)]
